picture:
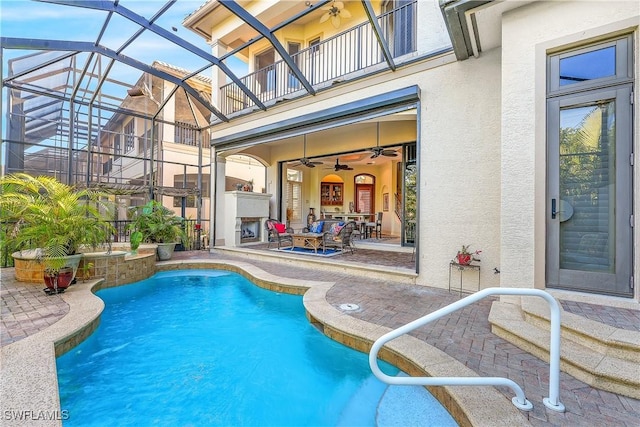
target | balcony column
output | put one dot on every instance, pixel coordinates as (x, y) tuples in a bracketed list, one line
[(219, 78), (218, 186)]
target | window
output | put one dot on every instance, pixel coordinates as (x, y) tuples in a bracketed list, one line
[(186, 134), (293, 48), (265, 72), (587, 67), (107, 166), (315, 71), (314, 44), (294, 195), (144, 141), (117, 149), (129, 138), (398, 25), (192, 182)]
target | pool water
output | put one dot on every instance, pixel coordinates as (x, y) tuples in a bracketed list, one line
[(204, 347)]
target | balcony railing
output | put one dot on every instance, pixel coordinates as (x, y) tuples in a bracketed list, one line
[(350, 51)]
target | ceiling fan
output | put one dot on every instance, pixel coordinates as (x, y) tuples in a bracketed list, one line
[(335, 11), (377, 150), (339, 167), (304, 160)]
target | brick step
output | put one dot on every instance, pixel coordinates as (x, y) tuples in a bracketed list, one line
[(599, 337), (599, 355)]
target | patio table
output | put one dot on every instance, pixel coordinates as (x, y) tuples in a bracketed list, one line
[(308, 241)]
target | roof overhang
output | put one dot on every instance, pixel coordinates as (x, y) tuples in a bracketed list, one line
[(476, 25)]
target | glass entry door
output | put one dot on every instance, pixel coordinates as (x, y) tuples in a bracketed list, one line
[(589, 218)]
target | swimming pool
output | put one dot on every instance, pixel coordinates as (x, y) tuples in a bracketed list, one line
[(203, 347)]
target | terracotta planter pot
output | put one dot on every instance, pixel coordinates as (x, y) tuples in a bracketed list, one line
[(58, 283)]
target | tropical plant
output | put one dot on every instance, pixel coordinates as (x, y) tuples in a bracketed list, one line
[(157, 223), (55, 218), (135, 240), (465, 256), (466, 250)]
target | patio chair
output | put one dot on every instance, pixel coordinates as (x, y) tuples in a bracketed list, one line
[(342, 240), (370, 227), (278, 232)]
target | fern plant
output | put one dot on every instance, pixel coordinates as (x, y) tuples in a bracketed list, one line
[(157, 223), (43, 213)]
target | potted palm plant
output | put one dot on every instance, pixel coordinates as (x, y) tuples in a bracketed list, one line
[(160, 225), (50, 221)]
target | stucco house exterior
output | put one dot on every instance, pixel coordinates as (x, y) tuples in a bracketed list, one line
[(124, 145), (480, 98)]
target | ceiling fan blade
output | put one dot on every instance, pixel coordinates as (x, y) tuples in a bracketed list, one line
[(316, 163), (325, 17), (345, 13), (389, 153), (335, 21)]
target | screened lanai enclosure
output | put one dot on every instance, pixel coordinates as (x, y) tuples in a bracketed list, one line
[(120, 95), (98, 113)]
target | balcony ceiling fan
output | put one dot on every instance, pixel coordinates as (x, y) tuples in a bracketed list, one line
[(335, 11), (338, 167), (304, 160), (377, 150)]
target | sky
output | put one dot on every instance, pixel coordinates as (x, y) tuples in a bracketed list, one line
[(41, 20)]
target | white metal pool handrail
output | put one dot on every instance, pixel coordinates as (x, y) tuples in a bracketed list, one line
[(520, 401)]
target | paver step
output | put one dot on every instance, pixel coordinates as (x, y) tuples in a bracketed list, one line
[(603, 361)]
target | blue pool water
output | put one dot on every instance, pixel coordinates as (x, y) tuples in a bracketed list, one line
[(208, 347)]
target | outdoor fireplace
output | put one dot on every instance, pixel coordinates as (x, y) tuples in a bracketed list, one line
[(245, 215), (249, 229)]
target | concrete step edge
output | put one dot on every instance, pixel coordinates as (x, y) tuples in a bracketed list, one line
[(601, 371), (605, 339)]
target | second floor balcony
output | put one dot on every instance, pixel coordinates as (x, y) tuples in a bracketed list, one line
[(350, 53)]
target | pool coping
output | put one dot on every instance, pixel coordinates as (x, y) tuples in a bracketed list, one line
[(28, 366)]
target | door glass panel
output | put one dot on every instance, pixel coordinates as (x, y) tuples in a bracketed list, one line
[(410, 196), (587, 188), (595, 64)]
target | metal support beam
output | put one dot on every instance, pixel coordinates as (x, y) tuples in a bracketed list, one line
[(39, 66), (377, 30), (108, 6), (20, 43), (281, 25), (262, 29)]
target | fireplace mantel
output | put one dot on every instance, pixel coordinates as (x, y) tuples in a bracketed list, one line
[(244, 204)]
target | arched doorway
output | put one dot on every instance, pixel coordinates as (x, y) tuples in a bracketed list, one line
[(365, 190)]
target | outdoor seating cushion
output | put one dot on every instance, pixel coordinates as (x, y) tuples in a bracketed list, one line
[(280, 228), (336, 227), (316, 227)]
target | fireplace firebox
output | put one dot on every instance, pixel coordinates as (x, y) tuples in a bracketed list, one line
[(249, 229)]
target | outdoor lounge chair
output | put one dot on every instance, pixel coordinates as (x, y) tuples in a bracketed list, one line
[(342, 240), (278, 232)]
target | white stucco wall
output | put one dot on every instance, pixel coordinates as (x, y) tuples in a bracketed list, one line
[(481, 132), (528, 33), (459, 153)]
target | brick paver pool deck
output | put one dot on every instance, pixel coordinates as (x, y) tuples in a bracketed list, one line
[(465, 335)]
